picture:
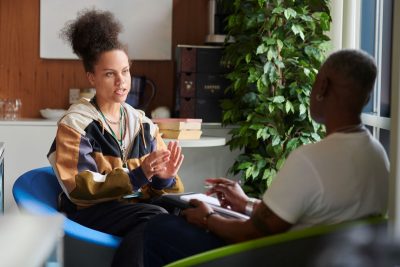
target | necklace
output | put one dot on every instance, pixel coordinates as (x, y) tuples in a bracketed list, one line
[(122, 126), (112, 122), (351, 128)]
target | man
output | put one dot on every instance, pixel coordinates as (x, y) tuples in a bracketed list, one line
[(343, 177)]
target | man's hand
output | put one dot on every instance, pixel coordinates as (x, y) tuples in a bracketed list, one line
[(229, 193), (198, 214)]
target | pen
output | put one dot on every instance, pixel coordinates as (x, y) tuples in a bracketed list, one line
[(208, 186)]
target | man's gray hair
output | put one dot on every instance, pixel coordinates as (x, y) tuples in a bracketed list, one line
[(354, 65)]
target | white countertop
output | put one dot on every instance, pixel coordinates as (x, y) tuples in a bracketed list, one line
[(204, 141), (29, 122)]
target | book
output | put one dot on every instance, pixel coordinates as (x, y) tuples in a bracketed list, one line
[(181, 201), (180, 134), (178, 123)]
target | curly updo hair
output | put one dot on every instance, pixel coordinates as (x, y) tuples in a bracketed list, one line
[(92, 33)]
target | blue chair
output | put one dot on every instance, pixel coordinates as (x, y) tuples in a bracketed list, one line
[(36, 192)]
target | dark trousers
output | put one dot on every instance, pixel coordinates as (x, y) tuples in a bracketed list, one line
[(168, 238), (123, 219)]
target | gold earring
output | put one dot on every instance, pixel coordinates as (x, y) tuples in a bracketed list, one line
[(319, 97)]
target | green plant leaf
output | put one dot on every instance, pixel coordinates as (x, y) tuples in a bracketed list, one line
[(290, 13), (280, 163), (289, 107), (278, 99), (244, 165), (276, 140), (279, 46), (298, 30), (261, 49), (248, 58), (303, 109)]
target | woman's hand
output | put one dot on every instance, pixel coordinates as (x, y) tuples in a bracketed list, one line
[(198, 213), (163, 163), (171, 167), (155, 162), (229, 193)]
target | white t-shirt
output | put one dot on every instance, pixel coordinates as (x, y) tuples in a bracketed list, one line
[(342, 177)]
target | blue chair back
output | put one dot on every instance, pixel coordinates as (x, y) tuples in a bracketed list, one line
[(36, 192)]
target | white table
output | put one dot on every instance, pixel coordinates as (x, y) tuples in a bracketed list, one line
[(29, 241), (204, 141), (206, 157)]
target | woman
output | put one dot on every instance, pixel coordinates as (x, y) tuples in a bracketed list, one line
[(108, 157)]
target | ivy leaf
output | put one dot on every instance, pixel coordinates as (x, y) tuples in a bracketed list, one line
[(303, 109), (261, 49), (290, 13), (324, 20), (307, 72), (289, 107), (268, 67), (278, 10), (276, 140), (292, 144), (267, 174), (248, 58), (263, 134), (298, 30), (244, 165), (261, 3), (271, 54), (249, 171), (278, 99), (271, 178), (280, 163), (271, 108), (315, 136)]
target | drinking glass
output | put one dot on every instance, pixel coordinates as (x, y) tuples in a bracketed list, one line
[(2, 102), (12, 109)]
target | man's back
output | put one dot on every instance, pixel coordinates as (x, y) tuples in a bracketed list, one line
[(343, 177)]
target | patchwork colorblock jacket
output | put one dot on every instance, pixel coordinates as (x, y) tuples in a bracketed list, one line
[(88, 161)]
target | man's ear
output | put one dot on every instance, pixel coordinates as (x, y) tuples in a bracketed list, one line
[(323, 90), (90, 77)]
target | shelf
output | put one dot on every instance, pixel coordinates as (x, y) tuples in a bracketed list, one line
[(204, 141)]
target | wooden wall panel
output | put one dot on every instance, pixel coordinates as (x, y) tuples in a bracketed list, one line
[(45, 83)]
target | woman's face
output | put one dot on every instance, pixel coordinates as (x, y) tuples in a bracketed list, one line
[(111, 77)]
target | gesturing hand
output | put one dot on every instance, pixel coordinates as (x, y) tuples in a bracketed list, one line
[(155, 162), (163, 163), (172, 166), (229, 193)]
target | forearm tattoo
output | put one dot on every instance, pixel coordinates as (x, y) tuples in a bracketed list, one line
[(261, 215)]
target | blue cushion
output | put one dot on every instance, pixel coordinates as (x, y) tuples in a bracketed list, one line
[(37, 191)]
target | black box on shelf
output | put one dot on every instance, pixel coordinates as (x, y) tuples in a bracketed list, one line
[(200, 82)]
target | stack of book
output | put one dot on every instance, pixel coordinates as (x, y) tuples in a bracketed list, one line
[(179, 128)]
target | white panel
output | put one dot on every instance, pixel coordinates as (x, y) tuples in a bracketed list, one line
[(147, 26), (394, 186)]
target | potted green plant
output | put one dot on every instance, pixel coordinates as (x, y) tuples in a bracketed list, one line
[(279, 46)]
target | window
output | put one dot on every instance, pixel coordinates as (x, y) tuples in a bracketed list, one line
[(376, 39)]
